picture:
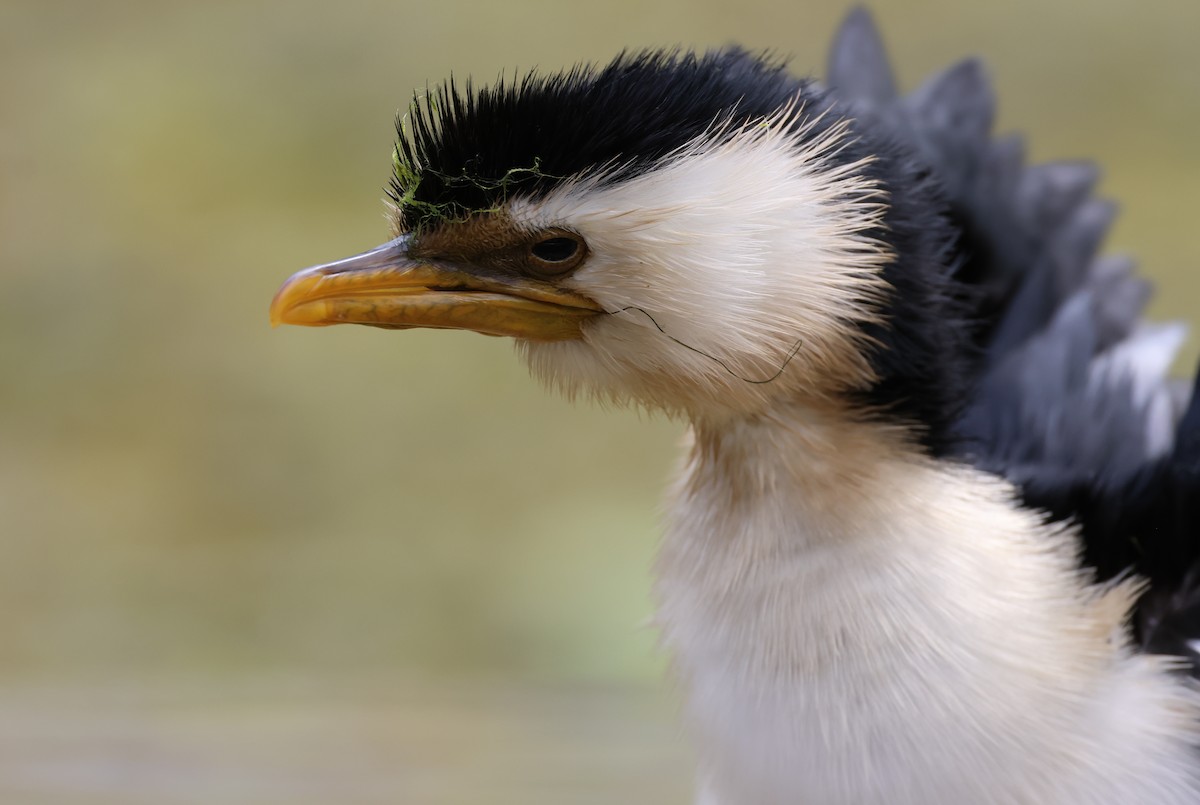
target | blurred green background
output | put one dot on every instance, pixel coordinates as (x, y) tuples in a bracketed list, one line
[(241, 565)]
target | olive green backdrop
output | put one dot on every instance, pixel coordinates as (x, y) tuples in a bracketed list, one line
[(351, 565)]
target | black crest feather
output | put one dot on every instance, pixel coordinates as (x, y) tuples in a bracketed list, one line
[(464, 150)]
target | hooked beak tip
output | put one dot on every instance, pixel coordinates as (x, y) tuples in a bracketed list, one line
[(297, 301)]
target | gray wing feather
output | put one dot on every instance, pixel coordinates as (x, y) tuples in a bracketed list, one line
[(858, 62)]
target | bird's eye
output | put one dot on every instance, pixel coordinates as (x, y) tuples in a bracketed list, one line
[(556, 255), (555, 250)]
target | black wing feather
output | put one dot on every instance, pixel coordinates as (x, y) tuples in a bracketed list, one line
[(1057, 406)]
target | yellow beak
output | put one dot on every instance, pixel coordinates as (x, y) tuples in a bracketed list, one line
[(384, 288)]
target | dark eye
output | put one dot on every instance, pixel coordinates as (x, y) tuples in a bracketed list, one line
[(557, 253), (555, 250)]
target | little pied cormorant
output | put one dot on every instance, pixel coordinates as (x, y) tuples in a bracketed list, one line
[(935, 537)]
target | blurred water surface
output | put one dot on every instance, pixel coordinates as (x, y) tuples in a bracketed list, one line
[(193, 504)]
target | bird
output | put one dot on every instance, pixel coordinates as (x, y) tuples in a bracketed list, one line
[(935, 536)]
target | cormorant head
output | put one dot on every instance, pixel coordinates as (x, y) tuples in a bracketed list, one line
[(702, 234)]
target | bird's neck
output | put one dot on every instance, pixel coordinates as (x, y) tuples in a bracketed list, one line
[(824, 585), (830, 477)]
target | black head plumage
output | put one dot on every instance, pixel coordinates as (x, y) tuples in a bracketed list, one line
[(462, 150)]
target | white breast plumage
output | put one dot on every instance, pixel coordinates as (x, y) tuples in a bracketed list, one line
[(854, 624)]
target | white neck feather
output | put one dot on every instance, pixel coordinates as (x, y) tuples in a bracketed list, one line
[(856, 623)]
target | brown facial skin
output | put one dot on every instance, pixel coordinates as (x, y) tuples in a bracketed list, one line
[(482, 274)]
